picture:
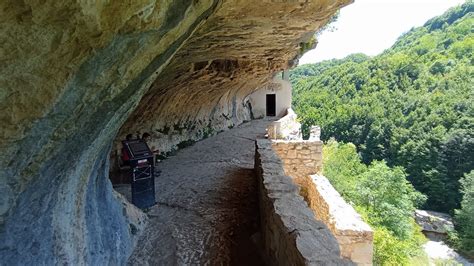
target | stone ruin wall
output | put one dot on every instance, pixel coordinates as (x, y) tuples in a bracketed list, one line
[(289, 233), (301, 160), (354, 236)]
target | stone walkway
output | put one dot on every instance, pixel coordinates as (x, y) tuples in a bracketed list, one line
[(207, 204)]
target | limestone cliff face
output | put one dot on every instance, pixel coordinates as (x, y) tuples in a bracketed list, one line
[(204, 88), (74, 71)]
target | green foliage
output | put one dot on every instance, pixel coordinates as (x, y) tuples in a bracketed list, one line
[(389, 198), (465, 216), (330, 24), (384, 198), (306, 46), (311, 43), (450, 16), (341, 161), (390, 250), (412, 106), (409, 113)]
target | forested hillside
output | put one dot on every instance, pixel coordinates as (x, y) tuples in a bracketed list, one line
[(411, 106)]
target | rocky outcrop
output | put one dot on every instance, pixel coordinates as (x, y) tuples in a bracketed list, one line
[(72, 74), (434, 222)]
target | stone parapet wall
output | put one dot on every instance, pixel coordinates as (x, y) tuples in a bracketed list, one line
[(290, 233), (354, 236), (302, 159)]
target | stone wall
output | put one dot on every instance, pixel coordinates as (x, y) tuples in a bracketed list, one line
[(290, 233), (302, 159), (278, 86), (354, 236)]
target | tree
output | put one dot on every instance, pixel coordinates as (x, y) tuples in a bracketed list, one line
[(465, 216), (383, 197), (341, 164), (410, 106), (389, 198)]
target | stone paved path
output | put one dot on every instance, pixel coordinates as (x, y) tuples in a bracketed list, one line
[(207, 204)]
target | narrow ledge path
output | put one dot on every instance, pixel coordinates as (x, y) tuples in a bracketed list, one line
[(207, 207)]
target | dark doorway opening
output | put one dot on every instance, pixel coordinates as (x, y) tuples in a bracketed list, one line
[(271, 104)]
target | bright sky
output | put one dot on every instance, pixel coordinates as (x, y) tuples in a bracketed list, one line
[(371, 26)]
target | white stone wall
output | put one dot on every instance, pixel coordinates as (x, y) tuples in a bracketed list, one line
[(278, 86), (300, 158), (286, 127)]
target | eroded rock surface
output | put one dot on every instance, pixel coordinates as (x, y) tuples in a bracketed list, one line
[(232, 54), (73, 72)]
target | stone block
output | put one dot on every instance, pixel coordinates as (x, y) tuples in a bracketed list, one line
[(312, 147), (305, 152), (362, 252), (291, 154)]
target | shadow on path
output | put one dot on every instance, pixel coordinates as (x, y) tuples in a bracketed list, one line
[(207, 207)]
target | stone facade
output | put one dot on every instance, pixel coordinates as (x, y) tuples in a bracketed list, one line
[(301, 160), (280, 86), (290, 233)]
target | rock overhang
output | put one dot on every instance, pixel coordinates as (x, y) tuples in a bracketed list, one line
[(234, 52), (75, 72)]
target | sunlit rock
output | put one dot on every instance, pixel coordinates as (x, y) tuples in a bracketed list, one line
[(73, 73)]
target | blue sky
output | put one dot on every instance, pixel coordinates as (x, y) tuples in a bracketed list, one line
[(371, 26)]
